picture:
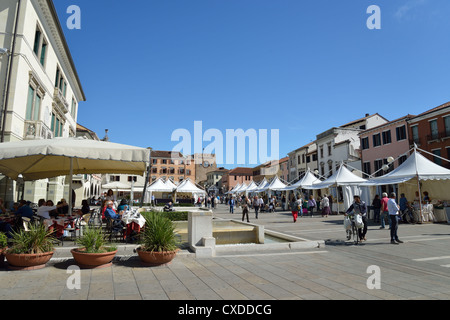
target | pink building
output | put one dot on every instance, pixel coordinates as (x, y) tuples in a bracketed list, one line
[(380, 143)]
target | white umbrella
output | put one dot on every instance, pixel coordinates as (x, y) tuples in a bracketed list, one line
[(47, 158), (116, 185)]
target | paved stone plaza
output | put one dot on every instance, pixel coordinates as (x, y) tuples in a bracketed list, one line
[(417, 269)]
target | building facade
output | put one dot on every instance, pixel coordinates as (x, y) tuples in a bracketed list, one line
[(379, 144), (236, 176), (342, 144), (430, 131), (171, 165), (40, 90)]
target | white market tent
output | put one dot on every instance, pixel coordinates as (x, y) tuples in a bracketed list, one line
[(425, 173), (261, 187), (416, 166), (242, 188), (251, 187), (276, 185), (305, 182), (235, 188), (159, 186), (346, 179), (187, 186)]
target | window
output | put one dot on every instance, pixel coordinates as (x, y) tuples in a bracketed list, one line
[(447, 126), (154, 170), (321, 151), (33, 105), (40, 46), (329, 149), (402, 159), (154, 161), (434, 129), (314, 156), (437, 154), (114, 178), (376, 140), (415, 134), (366, 168), (188, 172), (132, 178), (365, 143), (377, 166), (401, 133), (57, 126), (73, 110), (60, 82), (386, 137)]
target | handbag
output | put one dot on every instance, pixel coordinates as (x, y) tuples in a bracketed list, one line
[(359, 221)]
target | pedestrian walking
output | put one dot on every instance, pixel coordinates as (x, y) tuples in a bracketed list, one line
[(325, 203), (232, 203), (393, 209), (294, 208), (384, 210), (245, 205), (311, 205), (256, 206)]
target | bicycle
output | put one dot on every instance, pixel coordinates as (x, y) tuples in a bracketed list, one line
[(352, 230), (408, 215)]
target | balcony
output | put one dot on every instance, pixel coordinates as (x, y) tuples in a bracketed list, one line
[(36, 130), (438, 137), (60, 101)]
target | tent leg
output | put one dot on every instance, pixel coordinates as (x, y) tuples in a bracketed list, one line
[(70, 186)]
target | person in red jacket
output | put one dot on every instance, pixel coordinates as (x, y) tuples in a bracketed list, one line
[(384, 210)]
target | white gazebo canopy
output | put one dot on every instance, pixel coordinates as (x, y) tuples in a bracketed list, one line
[(305, 182), (416, 166)]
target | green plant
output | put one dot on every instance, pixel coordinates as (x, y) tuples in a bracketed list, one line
[(3, 240), (34, 241), (159, 233), (93, 240)]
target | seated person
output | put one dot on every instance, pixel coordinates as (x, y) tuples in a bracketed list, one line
[(63, 207), (123, 206), (110, 212), (45, 208), (2, 206), (24, 210), (168, 207), (85, 207)]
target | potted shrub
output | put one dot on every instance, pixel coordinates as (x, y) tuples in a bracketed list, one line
[(30, 249), (92, 251), (3, 247), (158, 241)]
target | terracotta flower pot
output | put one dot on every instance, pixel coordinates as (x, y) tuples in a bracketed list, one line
[(28, 261), (156, 258), (92, 260)]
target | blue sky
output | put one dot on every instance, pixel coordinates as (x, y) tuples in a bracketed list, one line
[(151, 67)]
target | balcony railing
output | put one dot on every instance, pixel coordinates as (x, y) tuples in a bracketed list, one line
[(36, 130), (60, 101), (438, 136)]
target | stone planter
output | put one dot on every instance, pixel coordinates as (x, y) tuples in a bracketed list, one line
[(92, 260), (28, 261), (156, 258)]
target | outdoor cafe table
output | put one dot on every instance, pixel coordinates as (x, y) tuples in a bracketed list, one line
[(134, 222), (60, 224)]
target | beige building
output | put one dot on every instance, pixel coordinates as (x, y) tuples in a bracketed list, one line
[(40, 89)]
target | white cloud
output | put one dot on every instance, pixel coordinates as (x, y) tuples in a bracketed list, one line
[(406, 11)]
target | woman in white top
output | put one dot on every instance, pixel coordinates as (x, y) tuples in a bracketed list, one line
[(325, 203)]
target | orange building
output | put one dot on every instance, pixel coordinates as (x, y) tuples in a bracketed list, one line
[(171, 165)]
